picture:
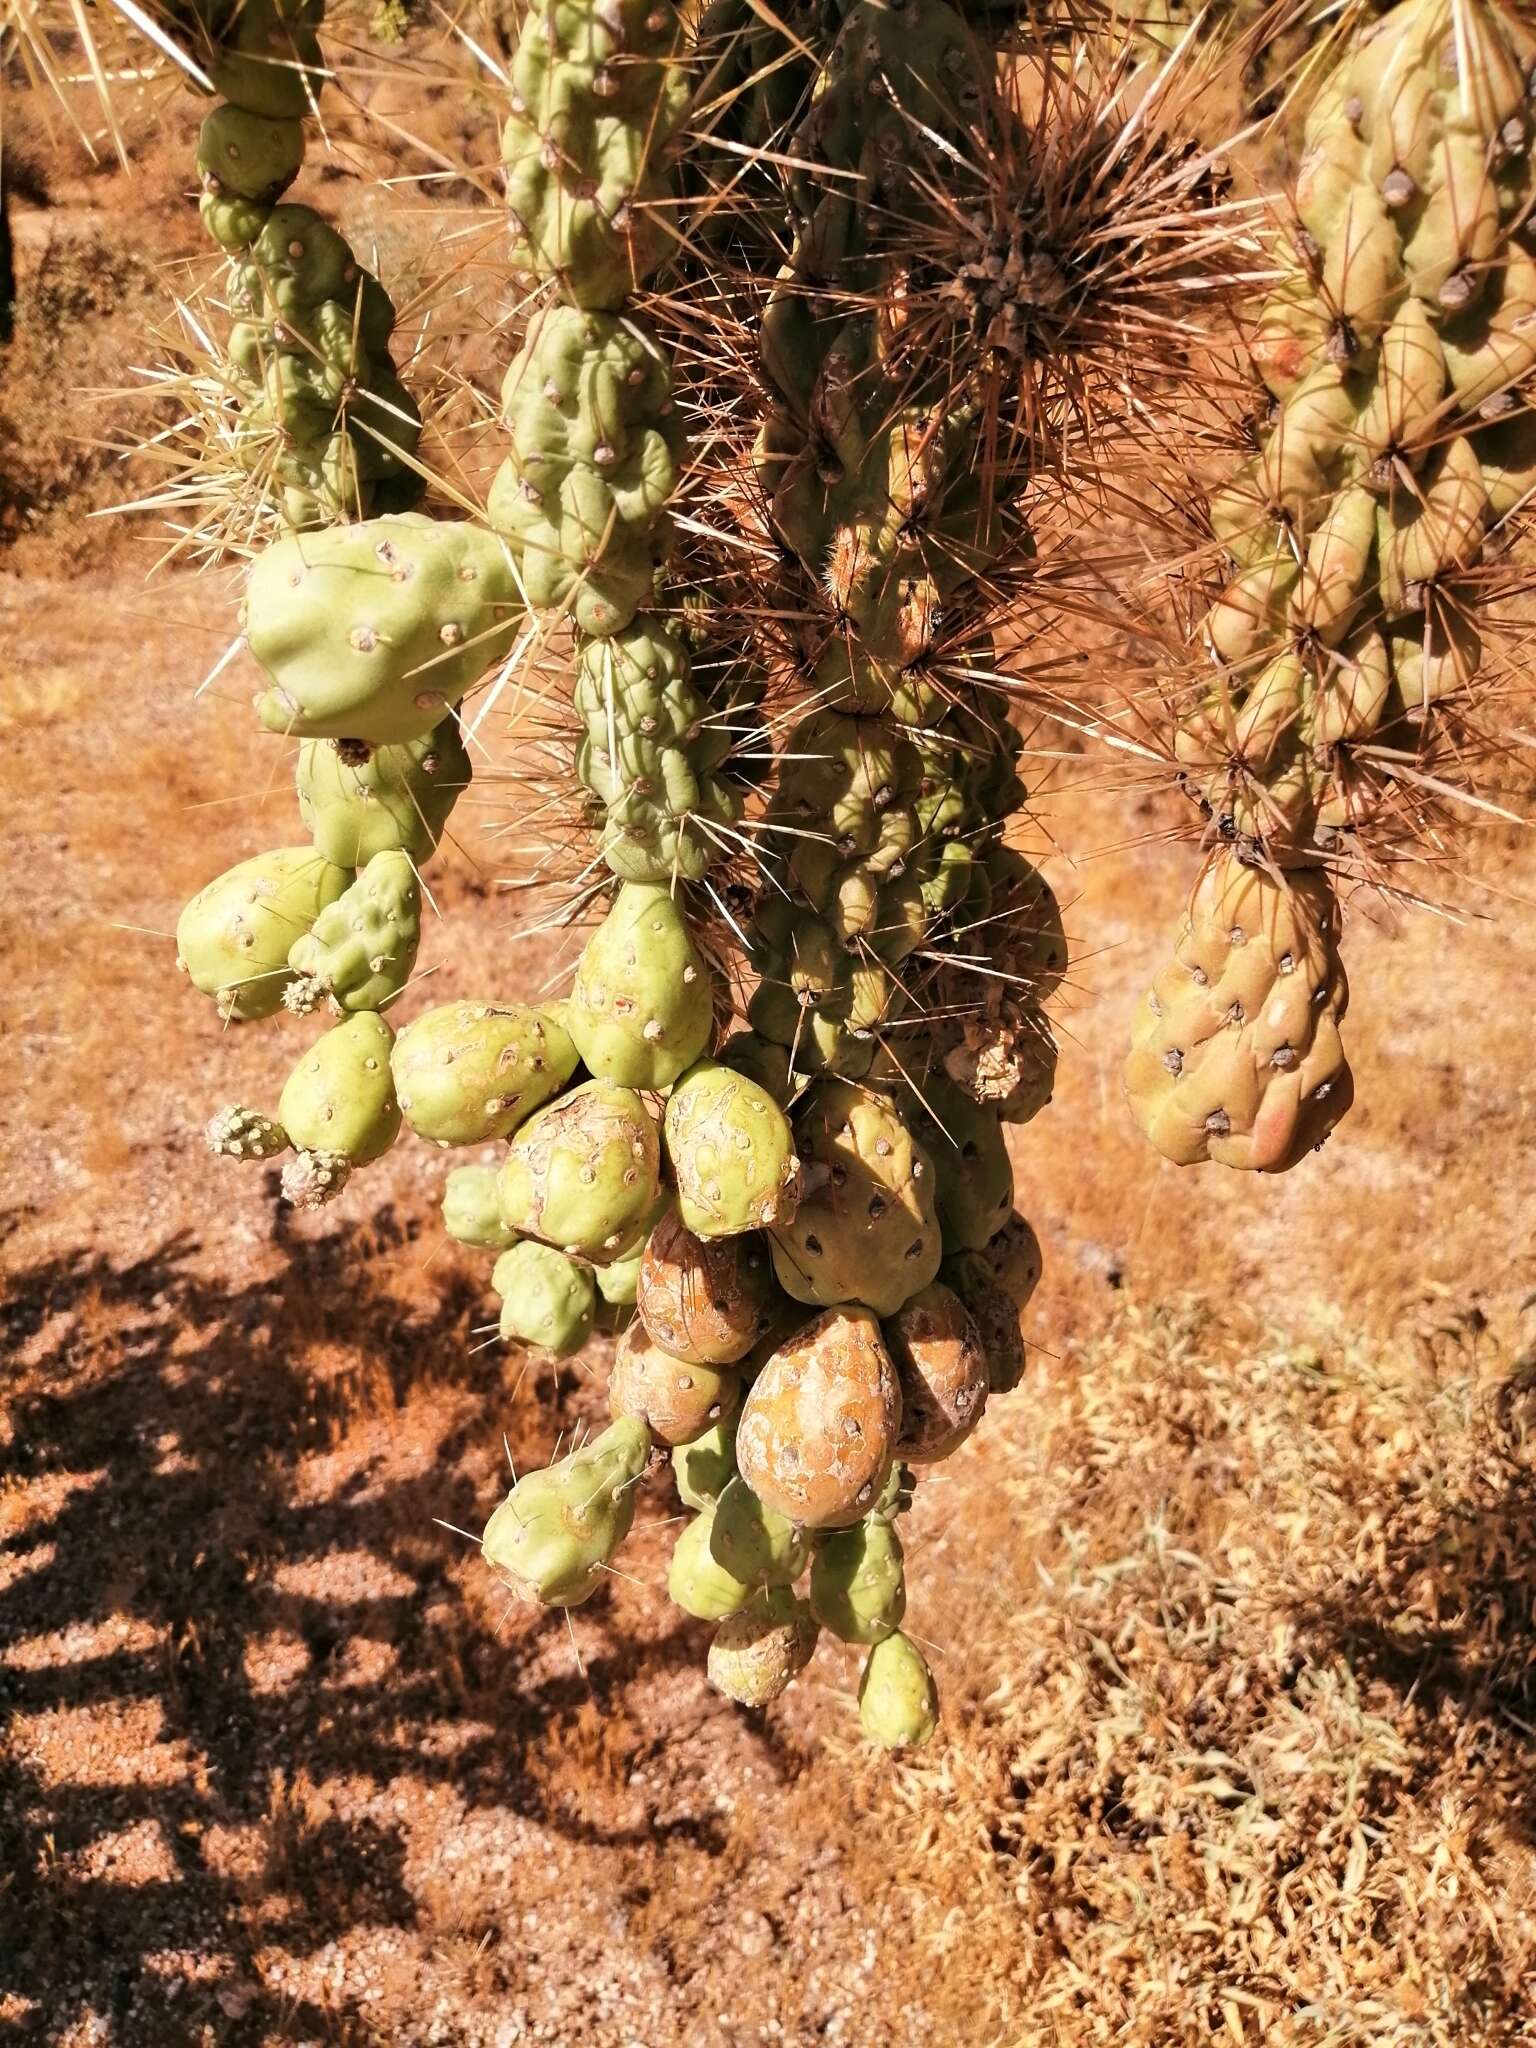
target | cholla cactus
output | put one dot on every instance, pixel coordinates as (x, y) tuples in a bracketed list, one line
[(1346, 646), (923, 287)]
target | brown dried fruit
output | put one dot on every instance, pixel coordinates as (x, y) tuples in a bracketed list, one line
[(819, 1426), (703, 1299), (942, 1364), (680, 1401)]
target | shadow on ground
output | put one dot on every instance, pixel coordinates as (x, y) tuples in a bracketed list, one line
[(192, 1486)]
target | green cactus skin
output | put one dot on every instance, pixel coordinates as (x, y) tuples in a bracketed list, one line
[(753, 1542), (868, 1232), (237, 1133), (898, 1702), (371, 632), (730, 1152), (248, 156), (396, 801), (360, 950), (547, 1300), (704, 1468), (268, 57), (759, 1651), (557, 1530), (654, 752), (596, 96), (472, 1208), (468, 1072), (582, 1174), (974, 1175), (234, 937), (858, 1582), (339, 1109), (595, 442), (642, 1008), (695, 1582)]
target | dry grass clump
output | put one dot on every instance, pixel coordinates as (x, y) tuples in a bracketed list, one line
[(1242, 1731)]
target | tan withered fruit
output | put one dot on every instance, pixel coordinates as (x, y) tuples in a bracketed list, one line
[(679, 1401), (701, 1299), (820, 1424), (942, 1365)]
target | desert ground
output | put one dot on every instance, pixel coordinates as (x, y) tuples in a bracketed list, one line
[(1232, 1601)]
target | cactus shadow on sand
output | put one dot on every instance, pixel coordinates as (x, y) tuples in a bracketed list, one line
[(171, 1785)]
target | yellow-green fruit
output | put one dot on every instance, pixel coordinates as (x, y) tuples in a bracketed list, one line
[(869, 1230), (858, 1582), (557, 1530), (234, 937), (753, 1541), (964, 1139), (642, 1008), (759, 1651), (361, 948), (341, 1095), (898, 1702), (704, 1468), (546, 1299), (467, 1072), (583, 1173), (248, 156), (472, 1209), (267, 57), (730, 1152), (373, 631), (1235, 1052), (696, 1583), (397, 800)]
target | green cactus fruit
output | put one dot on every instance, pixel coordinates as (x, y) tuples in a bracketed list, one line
[(760, 1650), (582, 1173), (653, 753), (596, 96), (267, 60), (238, 1133), (557, 1530), (680, 1401), (898, 1702), (372, 631), (941, 1361), (642, 1009), (595, 441), (974, 1185), (696, 1583), (234, 937), (338, 1107), (858, 1582), (995, 1314), (248, 156), (752, 1541), (472, 1209), (547, 1300), (730, 1152), (703, 1300), (360, 950), (704, 1468), (397, 800), (868, 1231), (820, 1424), (827, 1004), (467, 1072)]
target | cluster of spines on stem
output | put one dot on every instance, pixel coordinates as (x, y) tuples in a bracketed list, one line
[(323, 425), (1345, 656)]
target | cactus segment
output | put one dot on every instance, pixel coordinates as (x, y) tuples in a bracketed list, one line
[(398, 800), (821, 1422), (582, 1173), (760, 1650), (730, 1153), (234, 937), (898, 1702), (472, 1209), (339, 1109), (557, 1530), (642, 1008), (678, 1399), (547, 1300), (753, 1541), (858, 1582), (467, 1072), (360, 950), (706, 1301), (695, 1582)]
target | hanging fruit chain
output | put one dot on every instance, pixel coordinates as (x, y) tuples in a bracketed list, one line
[(1348, 641)]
